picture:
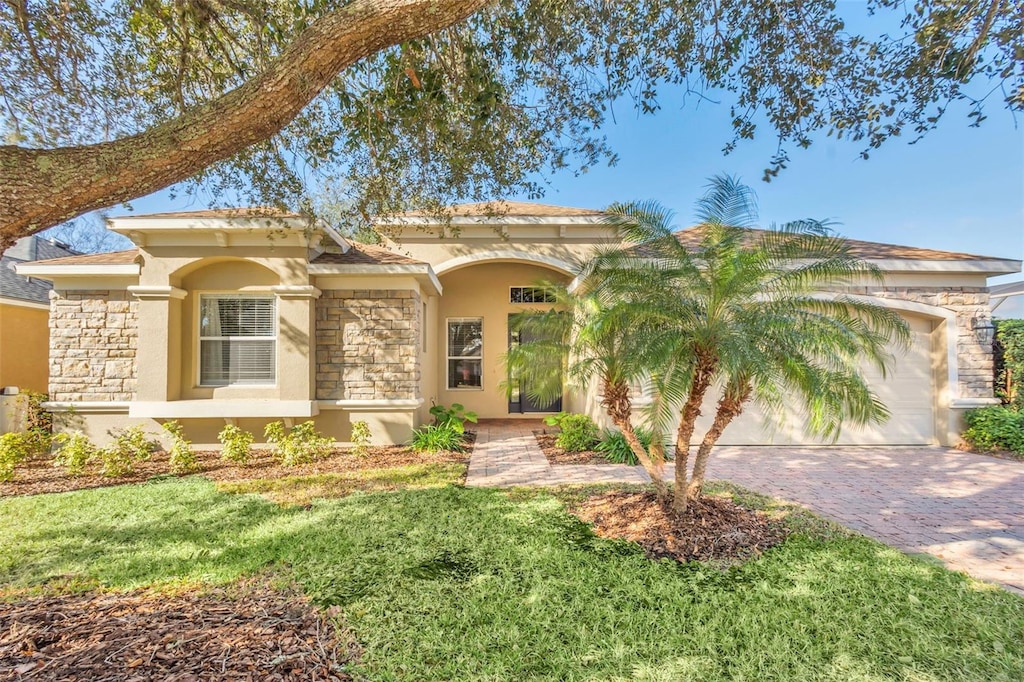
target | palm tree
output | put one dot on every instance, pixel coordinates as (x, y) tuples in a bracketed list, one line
[(587, 334), (747, 315)]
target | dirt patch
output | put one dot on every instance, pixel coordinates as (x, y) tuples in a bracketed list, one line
[(40, 476), (244, 632), (557, 455), (713, 529)]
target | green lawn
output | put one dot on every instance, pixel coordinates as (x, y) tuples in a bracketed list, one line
[(456, 583)]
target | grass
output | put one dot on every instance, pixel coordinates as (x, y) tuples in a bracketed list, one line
[(302, 490), (456, 583)]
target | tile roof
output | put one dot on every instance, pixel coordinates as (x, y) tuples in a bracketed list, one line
[(365, 254), (512, 208), (691, 237), (28, 249), (110, 258)]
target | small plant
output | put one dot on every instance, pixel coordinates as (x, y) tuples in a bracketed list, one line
[(15, 448), (38, 421), (616, 450), (578, 433), (361, 438), (131, 445), (434, 438), (555, 419), (74, 453), (237, 444), (454, 417), (300, 445), (995, 428), (182, 457)]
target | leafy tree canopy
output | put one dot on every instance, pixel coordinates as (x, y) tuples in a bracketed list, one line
[(431, 107)]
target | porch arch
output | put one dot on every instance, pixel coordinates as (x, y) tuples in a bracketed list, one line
[(500, 255)]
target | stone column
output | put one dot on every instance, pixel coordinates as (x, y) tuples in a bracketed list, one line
[(159, 350)]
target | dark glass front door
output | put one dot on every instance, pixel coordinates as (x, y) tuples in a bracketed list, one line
[(520, 402)]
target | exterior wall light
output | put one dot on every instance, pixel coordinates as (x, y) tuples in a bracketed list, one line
[(983, 330)]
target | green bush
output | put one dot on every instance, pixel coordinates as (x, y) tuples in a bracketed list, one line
[(1009, 361), (995, 428), (15, 448), (556, 419), (578, 433), (454, 417), (615, 449), (302, 444), (182, 457), (74, 453), (434, 438), (361, 437), (131, 445), (237, 444)]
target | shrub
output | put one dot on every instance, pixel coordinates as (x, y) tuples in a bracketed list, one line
[(38, 422), (615, 449), (302, 444), (995, 428), (182, 457), (237, 444), (579, 433), (454, 417), (131, 445), (1009, 361), (434, 438), (14, 449), (74, 453), (555, 419), (361, 437)]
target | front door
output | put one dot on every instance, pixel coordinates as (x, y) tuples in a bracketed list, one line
[(519, 401)]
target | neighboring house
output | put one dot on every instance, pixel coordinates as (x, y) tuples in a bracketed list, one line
[(246, 317), (1008, 300), (24, 314)]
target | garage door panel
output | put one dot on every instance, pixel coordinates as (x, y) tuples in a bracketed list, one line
[(908, 391)]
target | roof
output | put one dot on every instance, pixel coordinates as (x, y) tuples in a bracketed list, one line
[(691, 237), (110, 258), (502, 207), (251, 212), (365, 254), (28, 249)]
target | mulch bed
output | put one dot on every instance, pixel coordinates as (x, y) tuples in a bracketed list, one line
[(40, 476), (713, 529), (557, 455), (245, 632)]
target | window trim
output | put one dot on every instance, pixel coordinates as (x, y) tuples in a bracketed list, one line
[(448, 358), (197, 336), (535, 288)]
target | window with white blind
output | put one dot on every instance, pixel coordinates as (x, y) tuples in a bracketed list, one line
[(237, 339), (465, 352)]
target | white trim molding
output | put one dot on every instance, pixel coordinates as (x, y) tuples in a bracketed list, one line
[(296, 291), (156, 293), (49, 271), (372, 405), (422, 272), (967, 403), (88, 407), (34, 305), (505, 255), (223, 409)]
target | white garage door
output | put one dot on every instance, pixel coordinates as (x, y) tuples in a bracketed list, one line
[(908, 391)]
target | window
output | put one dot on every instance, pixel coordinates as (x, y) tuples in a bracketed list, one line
[(237, 339), (465, 352), (532, 295)]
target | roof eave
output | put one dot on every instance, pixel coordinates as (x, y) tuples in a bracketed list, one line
[(422, 272), (91, 270)]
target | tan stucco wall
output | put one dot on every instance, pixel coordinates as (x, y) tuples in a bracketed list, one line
[(483, 291), (24, 347)]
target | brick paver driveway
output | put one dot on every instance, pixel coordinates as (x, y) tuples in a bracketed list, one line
[(965, 509)]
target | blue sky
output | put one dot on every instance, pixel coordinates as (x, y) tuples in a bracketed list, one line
[(958, 189)]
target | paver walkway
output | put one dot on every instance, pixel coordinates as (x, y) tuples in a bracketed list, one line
[(506, 454), (966, 509)]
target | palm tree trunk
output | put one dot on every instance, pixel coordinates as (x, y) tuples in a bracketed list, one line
[(688, 419), (729, 407), (618, 406)]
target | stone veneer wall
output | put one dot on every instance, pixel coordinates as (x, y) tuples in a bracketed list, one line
[(975, 360), (93, 338), (368, 345)]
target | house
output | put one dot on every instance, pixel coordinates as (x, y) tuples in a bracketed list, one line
[(24, 314), (249, 316)]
